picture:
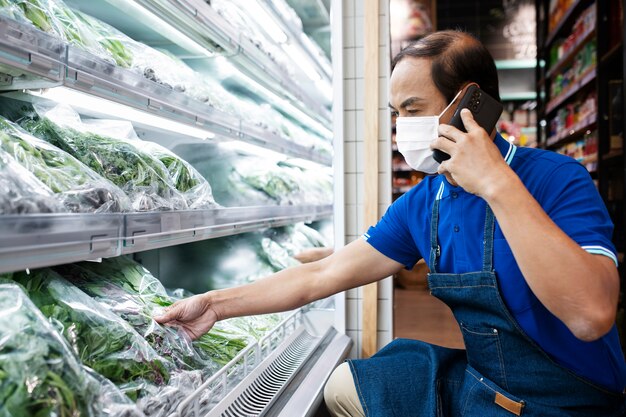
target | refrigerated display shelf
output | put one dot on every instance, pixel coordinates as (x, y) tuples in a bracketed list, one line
[(296, 35), (145, 231), (254, 380), (29, 59), (203, 27), (34, 241), (561, 23), (32, 59)]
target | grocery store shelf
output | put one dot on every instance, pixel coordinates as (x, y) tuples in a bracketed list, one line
[(202, 28), (574, 132), (584, 39), (589, 76), (506, 64), (27, 58), (284, 372), (33, 241), (566, 16), (145, 231)]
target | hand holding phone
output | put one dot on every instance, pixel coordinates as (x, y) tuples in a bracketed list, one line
[(485, 109)]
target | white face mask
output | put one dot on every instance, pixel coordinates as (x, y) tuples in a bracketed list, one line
[(414, 135)]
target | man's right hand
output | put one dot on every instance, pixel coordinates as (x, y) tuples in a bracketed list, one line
[(194, 315)]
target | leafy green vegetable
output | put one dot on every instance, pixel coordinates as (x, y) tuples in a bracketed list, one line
[(109, 39), (39, 374), (79, 188), (137, 309), (186, 178), (98, 338), (23, 192), (144, 178), (147, 293)]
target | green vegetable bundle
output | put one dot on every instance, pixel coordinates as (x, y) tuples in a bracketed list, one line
[(78, 187), (194, 187), (39, 374), (144, 178), (56, 18), (110, 39), (22, 192), (100, 339), (136, 308), (220, 345)]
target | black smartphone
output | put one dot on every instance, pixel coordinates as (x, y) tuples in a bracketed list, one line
[(485, 109)]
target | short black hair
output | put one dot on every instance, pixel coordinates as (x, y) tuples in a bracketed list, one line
[(457, 58)]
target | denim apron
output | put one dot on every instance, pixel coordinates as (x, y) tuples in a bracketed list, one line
[(502, 372)]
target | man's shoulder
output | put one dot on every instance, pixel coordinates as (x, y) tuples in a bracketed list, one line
[(536, 161)]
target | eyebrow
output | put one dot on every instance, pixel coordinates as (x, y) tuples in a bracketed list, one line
[(409, 101)]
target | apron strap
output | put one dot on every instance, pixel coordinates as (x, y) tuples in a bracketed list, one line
[(435, 249), (488, 240)]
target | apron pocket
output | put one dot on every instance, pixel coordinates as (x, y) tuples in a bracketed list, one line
[(485, 341), (483, 398)]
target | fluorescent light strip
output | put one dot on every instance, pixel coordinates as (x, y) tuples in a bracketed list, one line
[(160, 26), (99, 107)]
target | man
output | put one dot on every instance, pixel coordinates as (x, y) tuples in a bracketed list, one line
[(539, 333)]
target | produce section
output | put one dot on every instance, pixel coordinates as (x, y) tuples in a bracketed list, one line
[(111, 147)]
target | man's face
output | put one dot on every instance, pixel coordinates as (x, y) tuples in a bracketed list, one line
[(412, 91)]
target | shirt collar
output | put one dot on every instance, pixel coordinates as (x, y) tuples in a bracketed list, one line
[(507, 149)]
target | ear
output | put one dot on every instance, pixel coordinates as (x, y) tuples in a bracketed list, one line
[(447, 116)]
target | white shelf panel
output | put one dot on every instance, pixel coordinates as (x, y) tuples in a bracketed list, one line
[(34, 241)]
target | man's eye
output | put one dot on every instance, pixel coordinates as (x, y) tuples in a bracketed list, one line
[(412, 111), (394, 113)]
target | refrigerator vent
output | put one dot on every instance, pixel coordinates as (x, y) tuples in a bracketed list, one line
[(256, 398)]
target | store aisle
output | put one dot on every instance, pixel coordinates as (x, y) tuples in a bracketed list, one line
[(419, 315)]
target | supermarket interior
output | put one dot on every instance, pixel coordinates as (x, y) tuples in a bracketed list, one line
[(277, 208)]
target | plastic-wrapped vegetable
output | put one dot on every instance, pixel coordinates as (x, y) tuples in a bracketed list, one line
[(100, 339), (39, 373), (137, 309), (195, 188), (187, 180), (56, 18), (78, 187), (22, 192), (144, 178), (141, 290), (277, 255)]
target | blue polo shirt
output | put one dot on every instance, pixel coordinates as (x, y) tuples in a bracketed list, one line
[(566, 192)]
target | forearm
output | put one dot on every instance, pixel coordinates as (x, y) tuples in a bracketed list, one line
[(354, 265), (285, 290), (579, 288)]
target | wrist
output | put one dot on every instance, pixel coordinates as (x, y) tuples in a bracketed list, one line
[(499, 185), (211, 302)]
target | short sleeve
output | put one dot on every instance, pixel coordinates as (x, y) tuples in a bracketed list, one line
[(392, 235), (572, 201)]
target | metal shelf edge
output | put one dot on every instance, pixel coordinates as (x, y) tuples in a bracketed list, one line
[(34, 241)]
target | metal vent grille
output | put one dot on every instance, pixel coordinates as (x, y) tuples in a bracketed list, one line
[(256, 398)]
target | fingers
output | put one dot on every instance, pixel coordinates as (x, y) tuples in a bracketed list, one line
[(468, 120), (171, 313), (443, 144)]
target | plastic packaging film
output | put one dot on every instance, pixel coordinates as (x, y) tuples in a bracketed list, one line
[(79, 188)]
